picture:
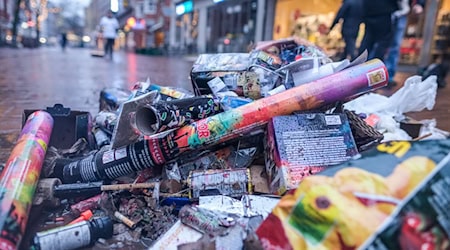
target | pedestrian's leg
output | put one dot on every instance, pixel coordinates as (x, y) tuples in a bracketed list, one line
[(111, 47), (106, 47), (393, 55), (384, 31), (350, 46), (367, 42)]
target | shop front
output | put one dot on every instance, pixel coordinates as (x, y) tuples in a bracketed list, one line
[(309, 20), (221, 25), (426, 37)]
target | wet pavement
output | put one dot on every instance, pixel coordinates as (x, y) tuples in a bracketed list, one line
[(39, 78)]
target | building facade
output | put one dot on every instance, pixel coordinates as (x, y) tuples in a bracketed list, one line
[(201, 26), (6, 19)]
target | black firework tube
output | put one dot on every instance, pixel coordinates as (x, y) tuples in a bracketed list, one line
[(164, 115), (110, 164)]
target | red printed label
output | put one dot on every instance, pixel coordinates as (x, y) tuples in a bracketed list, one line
[(202, 129)]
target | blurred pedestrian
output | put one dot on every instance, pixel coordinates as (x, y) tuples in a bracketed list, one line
[(63, 41), (109, 27), (377, 17), (401, 20), (351, 13)]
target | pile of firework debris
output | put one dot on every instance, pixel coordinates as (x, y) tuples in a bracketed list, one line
[(275, 148)]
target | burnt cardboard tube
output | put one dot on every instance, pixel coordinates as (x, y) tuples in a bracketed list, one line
[(147, 120)]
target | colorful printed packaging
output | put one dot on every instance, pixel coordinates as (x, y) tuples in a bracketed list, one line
[(365, 203), (304, 144)]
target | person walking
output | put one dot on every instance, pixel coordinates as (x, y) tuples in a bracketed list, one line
[(401, 20), (109, 26), (63, 41), (351, 13), (377, 17)]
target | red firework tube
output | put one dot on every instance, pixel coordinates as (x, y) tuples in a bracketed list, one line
[(84, 205), (228, 125), (19, 179)]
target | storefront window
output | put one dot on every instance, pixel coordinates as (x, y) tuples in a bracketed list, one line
[(231, 26), (187, 32)]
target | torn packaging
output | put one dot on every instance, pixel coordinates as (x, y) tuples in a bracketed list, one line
[(341, 207), (228, 125)]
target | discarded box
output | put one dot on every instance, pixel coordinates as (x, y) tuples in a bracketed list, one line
[(228, 66), (71, 126), (304, 144)]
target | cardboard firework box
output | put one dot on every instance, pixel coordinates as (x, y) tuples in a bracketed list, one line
[(230, 67), (304, 144)]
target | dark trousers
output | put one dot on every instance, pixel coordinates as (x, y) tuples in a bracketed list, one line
[(109, 46), (350, 46), (377, 37)]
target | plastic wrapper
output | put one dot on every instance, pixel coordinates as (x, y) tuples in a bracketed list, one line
[(170, 93), (204, 221), (165, 93), (266, 60), (247, 206), (230, 182), (232, 102), (266, 80), (293, 45), (345, 206), (415, 95), (106, 120), (111, 98), (225, 158)]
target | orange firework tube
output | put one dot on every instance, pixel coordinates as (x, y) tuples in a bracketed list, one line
[(156, 151), (19, 178)]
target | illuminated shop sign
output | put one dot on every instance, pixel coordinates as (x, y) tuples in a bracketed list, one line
[(184, 7)]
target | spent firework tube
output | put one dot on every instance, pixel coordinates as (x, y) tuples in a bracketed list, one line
[(84, 205), (166, 115), (110, 164), (201, 220), (156, 151), (20, 176), (233, 123)]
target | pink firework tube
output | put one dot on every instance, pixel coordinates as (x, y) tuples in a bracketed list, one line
[(156, 151), (19, 178), (230, 124)]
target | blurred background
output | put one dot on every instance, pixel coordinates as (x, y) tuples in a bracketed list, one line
[(167, 27)]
